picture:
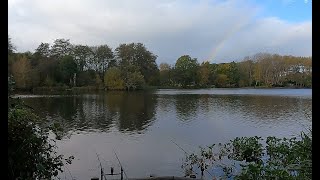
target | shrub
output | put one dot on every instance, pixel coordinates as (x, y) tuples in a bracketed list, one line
[(248, 158), (31, 155)]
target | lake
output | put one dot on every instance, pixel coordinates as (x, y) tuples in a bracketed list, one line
[(141, 127)]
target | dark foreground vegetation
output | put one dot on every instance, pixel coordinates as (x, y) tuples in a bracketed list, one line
[(31, 153), (254, 158), (67, 66)]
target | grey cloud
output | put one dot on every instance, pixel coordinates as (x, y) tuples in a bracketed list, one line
[(219, 31)]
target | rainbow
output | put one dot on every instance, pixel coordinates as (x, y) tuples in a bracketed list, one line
[(226, 37)]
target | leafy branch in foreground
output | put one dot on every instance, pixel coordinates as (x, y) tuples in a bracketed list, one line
[(256, 158), (31, 153)]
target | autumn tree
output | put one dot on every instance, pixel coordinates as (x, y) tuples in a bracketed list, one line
[(204, 73), (222, 80), (21, 73), (246, 72), (113, 79)]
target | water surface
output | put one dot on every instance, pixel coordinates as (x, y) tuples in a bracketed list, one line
[(140, 126)]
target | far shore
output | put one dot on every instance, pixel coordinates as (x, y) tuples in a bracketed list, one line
[(95, 89)]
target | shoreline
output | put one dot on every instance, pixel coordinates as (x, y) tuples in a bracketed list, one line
[(73, 90)]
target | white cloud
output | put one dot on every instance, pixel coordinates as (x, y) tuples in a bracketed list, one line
[(222, 30)]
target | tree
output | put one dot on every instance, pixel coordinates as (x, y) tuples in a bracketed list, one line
[(98, 81), (86, 78), (113, 80), (257, 71), (81, 55), (246, 72), (222, 80), (11, 55), (164, 67), (11, 47), (186, 70), (31, 153), (61, 48), (11, 84), (67, 68), (48, 72), (204, 73), (43, 50), (213, 73), (21, 72), (134, 80), (137, 54), (104, 56), (131, 76), (234, 74), (165, 74)]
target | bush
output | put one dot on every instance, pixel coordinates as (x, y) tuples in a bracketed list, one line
[(31, 154), (248, 158)]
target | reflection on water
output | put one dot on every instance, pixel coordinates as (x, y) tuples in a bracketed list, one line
[(129, 112), (140, 125)]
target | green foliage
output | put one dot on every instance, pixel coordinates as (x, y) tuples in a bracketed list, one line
[(61, 48), (204, 74), (253, 158), (103, 55), (234, 74), (113, 80), (31, 70), (186, 70), (222, 80), (11, 84), (134, 80), (81, 54), (166, 75), (42, 51), (67, 68), (21, 69), (98, 82), (31, 155), (86, 78), (49, 82), (136, 54)]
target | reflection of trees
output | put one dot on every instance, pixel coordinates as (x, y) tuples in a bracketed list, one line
[(187, 105), (136, 109), (267, 109), (59, 112), (133, 111)]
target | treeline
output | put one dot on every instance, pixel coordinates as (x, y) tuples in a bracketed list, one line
[(129, 66), (133, 66), (262, 69)]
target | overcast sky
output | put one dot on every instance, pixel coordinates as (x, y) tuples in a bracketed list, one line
[(213, 30)]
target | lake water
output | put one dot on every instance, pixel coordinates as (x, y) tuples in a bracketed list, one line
[(142, 126)]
